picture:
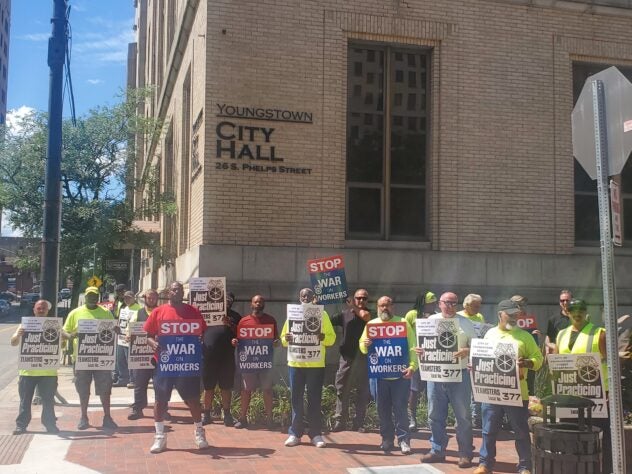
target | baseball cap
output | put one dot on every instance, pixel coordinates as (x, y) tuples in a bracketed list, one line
[(92, 289), (430, 297), (577, 304), (121, 287), (129, 293), (509, 307)]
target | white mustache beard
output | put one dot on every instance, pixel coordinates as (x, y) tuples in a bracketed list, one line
[(509, 326), (384, 316)]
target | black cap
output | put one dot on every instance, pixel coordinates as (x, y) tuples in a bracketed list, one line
[(577, 305), (509, 307)]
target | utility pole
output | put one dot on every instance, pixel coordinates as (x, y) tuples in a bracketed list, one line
[(52, 183)]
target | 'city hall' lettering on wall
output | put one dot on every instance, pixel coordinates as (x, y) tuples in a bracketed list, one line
[(250, 147)]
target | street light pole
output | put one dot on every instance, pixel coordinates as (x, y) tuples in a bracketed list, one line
[(52, 183)]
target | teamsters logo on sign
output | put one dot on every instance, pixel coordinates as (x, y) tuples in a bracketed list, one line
[(495, 374), (40, 344), (208, 294)]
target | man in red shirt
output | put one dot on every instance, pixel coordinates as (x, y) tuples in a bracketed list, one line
[(263, 378), (176, 319)]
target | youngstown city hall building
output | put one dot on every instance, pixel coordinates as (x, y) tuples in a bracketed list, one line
[(428, 142)]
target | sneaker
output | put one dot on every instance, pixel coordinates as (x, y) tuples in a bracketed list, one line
[(292, 440), (338, 426), (241, 424), (19, 430), (464, 462), (412, 422), (482, 469), (135, 414), (83, 424), (108, 423), (432, 457), (119, 384), (160, 444), (228, 419), (318, 441), (200, 438), (386, 446), (405, 447), (206, 418), (131, 385)]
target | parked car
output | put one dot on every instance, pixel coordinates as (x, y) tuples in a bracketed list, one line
[(5, 306), (8, 296), (29, 299), (65, 293)]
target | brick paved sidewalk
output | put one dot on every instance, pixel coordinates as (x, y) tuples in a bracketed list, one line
[(231, 450)]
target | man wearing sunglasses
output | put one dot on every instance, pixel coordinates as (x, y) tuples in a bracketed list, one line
[(352, 369), (558, 322)]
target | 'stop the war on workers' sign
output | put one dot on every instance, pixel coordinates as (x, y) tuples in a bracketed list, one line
[(388, 352), (180, 348), (328, 279)]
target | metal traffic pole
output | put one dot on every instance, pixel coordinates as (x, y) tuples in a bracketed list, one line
[(607, 274)]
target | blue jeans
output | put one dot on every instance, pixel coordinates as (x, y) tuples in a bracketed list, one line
[(492, 423), (311, 378), (459, 396), (392, 402)]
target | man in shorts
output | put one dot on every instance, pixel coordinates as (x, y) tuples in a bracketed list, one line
[(219, 362), (175, 316), (83, 378), (262, 379)]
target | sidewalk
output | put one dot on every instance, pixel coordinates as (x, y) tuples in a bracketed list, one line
[(231, 450)]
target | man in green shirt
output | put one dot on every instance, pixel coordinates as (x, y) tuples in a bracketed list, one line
[(45, 380), (391, 394), (529, 358), (83, 378)]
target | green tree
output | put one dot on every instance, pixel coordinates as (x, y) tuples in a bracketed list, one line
[(95, 159)]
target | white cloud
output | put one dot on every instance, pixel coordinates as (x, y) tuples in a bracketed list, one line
[(16, 116), (7, 230), (94, 82), (106, 43), (36, 37)]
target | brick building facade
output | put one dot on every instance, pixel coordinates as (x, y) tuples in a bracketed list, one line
[(429, 142)]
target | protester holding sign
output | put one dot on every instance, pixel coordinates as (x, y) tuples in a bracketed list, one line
[(45, 380), (425, 305), (529, 323), (352, 368), (125, 313), (390, 342), (219, 362), (308, 374), (582, 337), (260, 378), (83, 378), (175, 330), (457, 394), (528, 357), (142, 376)]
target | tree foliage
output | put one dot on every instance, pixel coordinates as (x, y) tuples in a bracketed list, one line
[(95, 162)]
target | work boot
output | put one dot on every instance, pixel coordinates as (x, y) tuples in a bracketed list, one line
[(228, 418), (206, 417)]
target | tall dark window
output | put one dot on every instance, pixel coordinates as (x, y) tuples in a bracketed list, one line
[(586, 209), (387, 130)]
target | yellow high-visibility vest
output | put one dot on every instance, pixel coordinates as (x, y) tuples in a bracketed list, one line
[(587, 341)]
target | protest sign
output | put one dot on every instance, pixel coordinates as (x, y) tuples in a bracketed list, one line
[(39, 347), (140, 352), (180, 348), (495, 372), (109, 305), (305, 324), (125, 315), (208, 295), (527, 322), (580, 375), (439, 340), (255, 348), (327, 276), (95, 344), (388, 352)]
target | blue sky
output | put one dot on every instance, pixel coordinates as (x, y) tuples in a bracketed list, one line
[(101, 31)]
